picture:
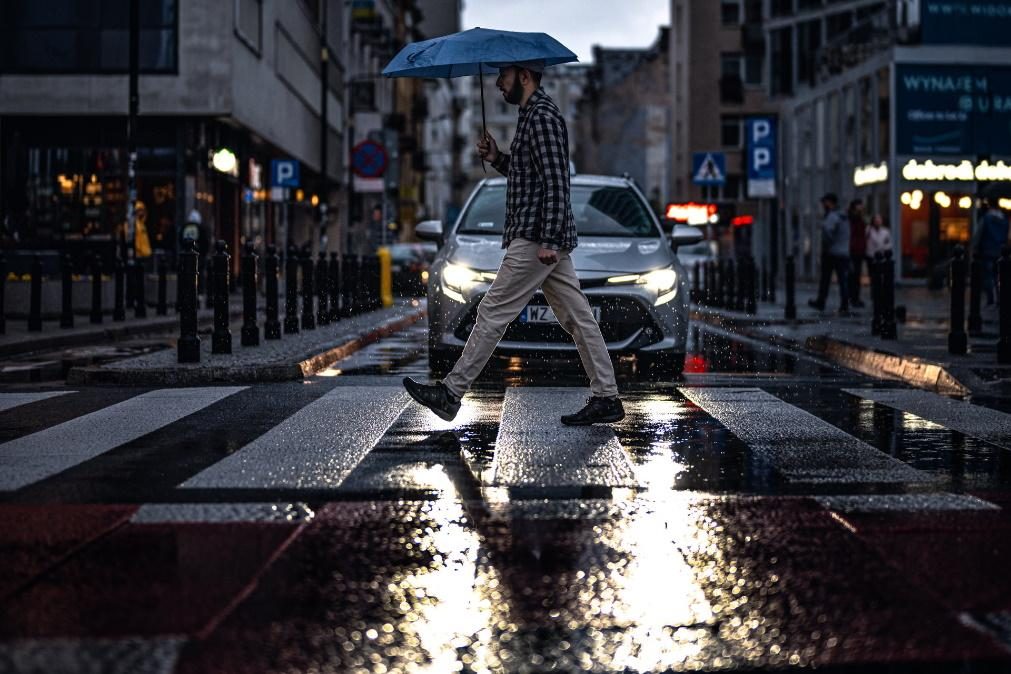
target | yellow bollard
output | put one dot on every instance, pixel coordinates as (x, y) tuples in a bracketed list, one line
[(385, 277)]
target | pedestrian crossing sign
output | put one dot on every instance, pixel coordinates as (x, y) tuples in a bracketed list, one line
[(709, 168)]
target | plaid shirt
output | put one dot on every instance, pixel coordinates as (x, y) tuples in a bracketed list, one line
[(537, 167)]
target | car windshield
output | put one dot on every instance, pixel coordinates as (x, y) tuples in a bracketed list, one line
[(598, 211)]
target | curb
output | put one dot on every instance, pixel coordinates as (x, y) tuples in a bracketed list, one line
[(912, 370), (254, 374)]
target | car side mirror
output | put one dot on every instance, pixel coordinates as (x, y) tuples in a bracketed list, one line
[(685, 235), (430, 230)]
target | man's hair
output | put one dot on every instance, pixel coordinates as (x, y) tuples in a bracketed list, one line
[(534, 75)]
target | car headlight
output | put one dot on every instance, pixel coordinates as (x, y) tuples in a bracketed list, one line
[(664, 282), (457, 276)]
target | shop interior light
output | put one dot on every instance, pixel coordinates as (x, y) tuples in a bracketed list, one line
[(299, 195), (224, 160), (942, 199), (965, 203), (1004, 203), (906, 198), (314, 200)]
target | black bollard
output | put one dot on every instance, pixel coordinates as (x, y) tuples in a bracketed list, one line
[(764, 297), (975, 296), (958, 341), (730, 285), (876, 268), (140, 302), (131, 282), (308, 293), (119, 306), (348, 272), (720, 283), (322, 275), (250, 333), (1004, 305), (335, 287), (67, 308), (750, 302), (96, 289), (740, 298), (888, 328), (35, 301), (221, 338), (773, 270), (790, 311), (707, 291), (291, 292), (3, 291), (162, 307), (188, 347), (272, 326)]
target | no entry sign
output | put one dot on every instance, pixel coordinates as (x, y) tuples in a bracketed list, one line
[(368, 159)]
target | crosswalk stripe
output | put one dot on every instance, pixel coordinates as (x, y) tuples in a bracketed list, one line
[(37, 456), (977, 422), (133, 654), (802, 447), (11, 400), (535, 450), (315, 448)]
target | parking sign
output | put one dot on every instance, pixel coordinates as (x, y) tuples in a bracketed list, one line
[(761, 157), (284, 173)]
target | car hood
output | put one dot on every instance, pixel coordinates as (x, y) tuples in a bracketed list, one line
[(594, 256)]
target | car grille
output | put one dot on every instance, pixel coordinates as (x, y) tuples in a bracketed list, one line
[(620, 319)]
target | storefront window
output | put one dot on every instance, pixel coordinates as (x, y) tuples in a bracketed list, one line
[(932, 224)]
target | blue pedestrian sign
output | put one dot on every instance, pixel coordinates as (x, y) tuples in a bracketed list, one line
[(761, 157), (284, 173), (368, 159), (709, 168)]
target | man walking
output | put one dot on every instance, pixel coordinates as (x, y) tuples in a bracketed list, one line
[(835, 254), (991, 237), (539, 235)]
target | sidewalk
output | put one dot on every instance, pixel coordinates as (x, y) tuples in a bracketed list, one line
[(918, 357), (289, 358)]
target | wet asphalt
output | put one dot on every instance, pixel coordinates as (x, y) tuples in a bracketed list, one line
[(719, 558)]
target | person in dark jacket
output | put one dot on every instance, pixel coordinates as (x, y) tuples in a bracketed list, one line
[(991, 237), (858, 249), (835, 254)]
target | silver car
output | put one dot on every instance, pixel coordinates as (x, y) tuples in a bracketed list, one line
[(626, 266)]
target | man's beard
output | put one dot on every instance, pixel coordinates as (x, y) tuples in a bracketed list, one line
[(515, 93)]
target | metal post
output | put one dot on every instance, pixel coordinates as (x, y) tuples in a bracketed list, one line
[(720, 282), (347, 285), (975, 296), (1004, 304), (750, 304), (119, 306), (140, 308), (272, 326), (67, 310), (790, 311), (96, 289), (291, 292), (35, 301), (335, 287), (162, 307), (221, 338), (888, 329), (324, 131), (250, 333), (308, 315), (730, 279), (188, 347), (131, 126), (322, 276), (958, 341), (740, 301)]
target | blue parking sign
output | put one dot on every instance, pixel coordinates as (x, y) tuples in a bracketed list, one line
[(761, 157), (284, 173)]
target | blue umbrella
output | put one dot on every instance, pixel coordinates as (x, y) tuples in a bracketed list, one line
[(474, 52)]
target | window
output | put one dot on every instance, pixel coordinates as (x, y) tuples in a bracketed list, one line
[(730, 64), (782, 7), (730, 12), (753, 68), (730, 131), (249, 23), (782, 61), (86, 36)]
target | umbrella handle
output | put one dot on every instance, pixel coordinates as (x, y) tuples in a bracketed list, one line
[(484, 121)]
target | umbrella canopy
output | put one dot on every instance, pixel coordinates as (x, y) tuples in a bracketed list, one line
[(475, 52)]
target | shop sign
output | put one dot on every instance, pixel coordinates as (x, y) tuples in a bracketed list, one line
[(971, 22), (255, 174), (965, 171), (692, 213), (870, 174), (761, 158), (953, 109)]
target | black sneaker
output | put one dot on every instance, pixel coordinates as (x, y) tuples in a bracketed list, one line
[(435, 397), (597, 411)]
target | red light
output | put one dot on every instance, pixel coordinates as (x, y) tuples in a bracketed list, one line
[(691, 212), (742, 221)]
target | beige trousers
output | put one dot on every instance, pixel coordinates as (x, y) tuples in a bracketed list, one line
[(519, 277)]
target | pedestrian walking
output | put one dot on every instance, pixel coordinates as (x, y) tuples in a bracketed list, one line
[(991, 235), (835, 254), (879, 238), (858, 249), (538, 236)]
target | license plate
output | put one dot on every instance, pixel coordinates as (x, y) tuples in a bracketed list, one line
[(542, 314)]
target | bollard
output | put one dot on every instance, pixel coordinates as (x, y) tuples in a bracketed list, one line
[(67, 308), (975, 296), (740, 298), (888, 329), (96, 289), (161, 308), (221, 338), (707, 292), (1004, 305), (384, 267), (35, 301), (958, 341), (750, 302), (250, 333), (3, 291), (719, 283), (349, 271), (764, 296), (696, 281), (790, 311), (773, 273), (131, 282), (335, 287), (730, 271), (875, 268), (321, 276), (308, 315), (291, 292), (272, 326), (188, 347), (140, 303)]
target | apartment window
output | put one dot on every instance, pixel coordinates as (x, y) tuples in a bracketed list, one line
[(752, 11), (782, 7), (730, 12), (731, 89), (808, 42), (86, 36), (730, 131), (782, 62), (730, 64), (753, 64), (249, 23)]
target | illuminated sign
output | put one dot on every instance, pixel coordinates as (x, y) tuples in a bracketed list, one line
[(692, 213), (962, 172), (224, 160), (870, 174)]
